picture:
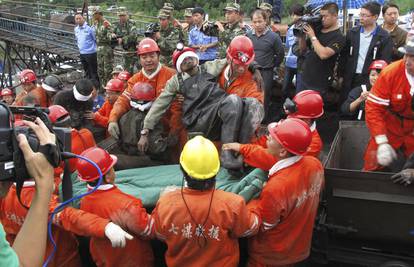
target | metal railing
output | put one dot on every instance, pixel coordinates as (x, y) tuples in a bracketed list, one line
[(47, 36)]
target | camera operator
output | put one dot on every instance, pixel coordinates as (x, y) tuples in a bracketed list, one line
[(320, 50), (30, 243)]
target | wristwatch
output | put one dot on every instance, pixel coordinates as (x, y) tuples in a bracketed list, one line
[(144, 131), (314, 38)]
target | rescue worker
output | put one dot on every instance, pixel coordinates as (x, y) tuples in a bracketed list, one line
[(354, 106), (109, 202), (289, 200), (307, 105), (124, 76), (127, 34), (141, 98), (230, 29), (200, 224), (52, 84), (389, 112), (113, 90), (167, 38), (7, 96), (81, 139), (105, 54), (188, 24), (77, 102), (205, 104), (66, 224), (32, 93), (153, 73)]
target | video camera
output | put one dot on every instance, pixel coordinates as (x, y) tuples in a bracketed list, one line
[(12, 163), (151, 29), (311, 18)]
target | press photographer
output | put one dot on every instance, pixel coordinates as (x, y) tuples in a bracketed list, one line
[(30, 243), (318, 51)]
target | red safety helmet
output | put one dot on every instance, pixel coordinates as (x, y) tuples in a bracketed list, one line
[(58, 113), (124, 76), (86, 171), (377, 65), (308, 104), (27, 76), (178, 52), (115, 85), (293, 134), (241, 50), (6, 92), (143, 92), (147, 45)]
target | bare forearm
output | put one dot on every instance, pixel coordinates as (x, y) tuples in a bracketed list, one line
[(322, 51), (354, 105), (30, 242)]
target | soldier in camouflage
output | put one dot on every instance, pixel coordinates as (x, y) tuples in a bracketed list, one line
[(266, 7), (230, 29), (188, 24), (105, 54), (168, 37), (127, 34)]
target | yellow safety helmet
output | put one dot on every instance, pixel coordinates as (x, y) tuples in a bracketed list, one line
[(200, 158)]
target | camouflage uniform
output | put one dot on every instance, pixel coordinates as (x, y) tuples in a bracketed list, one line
[(129, 34), (230, 31), (105, 52), (187, 27), (170, 36)]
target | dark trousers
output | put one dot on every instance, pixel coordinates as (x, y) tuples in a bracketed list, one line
[(267, 76), (90, 66), (287, 88)]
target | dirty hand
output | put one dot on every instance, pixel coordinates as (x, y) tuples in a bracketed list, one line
[(405, 177), (257, 77), (89, 115), (386, 154), (143, 143), (113, 130), (364, 95), (231, 146), (116, 235)]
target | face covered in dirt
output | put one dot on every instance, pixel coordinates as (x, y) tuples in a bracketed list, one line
[(188, 64)]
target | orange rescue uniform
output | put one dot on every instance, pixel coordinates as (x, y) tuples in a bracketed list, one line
[(38, 95), (287, 206), (110, 202), (81, 140), (244, 86), (388, 112), (202, 238), (256, 155), (67, 222), (102, 115)]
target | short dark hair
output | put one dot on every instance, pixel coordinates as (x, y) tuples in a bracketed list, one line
[(198, 10), (332, 8), (388, 5), (200, 185), (260, 12), (84, 86), (297, 9), (373, 7)]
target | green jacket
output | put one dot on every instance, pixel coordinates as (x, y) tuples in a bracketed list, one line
[(225, 37), (103, 34), (172, 88), (168, 40), (128, 32)]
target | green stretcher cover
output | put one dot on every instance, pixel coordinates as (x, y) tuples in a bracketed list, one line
[(147, 183)]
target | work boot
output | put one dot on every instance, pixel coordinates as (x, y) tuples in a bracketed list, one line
[(230, 161)]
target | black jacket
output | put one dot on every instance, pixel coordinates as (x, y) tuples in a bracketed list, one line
[(381, 43)]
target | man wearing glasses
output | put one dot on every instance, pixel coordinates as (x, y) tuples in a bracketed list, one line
[(364, 44)]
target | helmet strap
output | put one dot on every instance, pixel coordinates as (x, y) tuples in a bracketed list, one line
[(201, 238)]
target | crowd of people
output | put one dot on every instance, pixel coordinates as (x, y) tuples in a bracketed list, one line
[(199, 94)]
